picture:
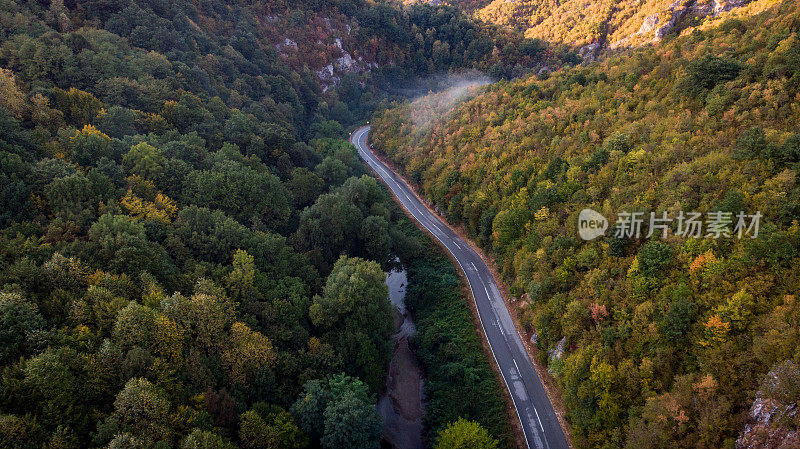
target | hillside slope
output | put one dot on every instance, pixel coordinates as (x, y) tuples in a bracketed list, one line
[(465, 5), (604, 22), (656, 342)]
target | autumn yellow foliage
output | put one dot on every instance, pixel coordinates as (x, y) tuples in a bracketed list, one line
[(249, 352), (161, 209)]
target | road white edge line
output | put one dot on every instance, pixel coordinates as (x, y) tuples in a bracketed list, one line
[(499, 368)]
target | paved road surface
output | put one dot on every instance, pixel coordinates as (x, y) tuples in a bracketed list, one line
[(536, 414)]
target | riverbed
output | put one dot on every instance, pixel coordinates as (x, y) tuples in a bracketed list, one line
[(402, 405)]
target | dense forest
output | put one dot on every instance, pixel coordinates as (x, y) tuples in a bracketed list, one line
[(663, 342), (190, 254)]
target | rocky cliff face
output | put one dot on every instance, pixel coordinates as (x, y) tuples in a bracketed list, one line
[(327, 47), (660, 24), (773, 417), (600, 23)]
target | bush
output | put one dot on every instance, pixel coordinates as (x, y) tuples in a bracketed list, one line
[(464, 434)]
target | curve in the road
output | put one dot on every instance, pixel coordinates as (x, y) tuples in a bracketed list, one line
[(539, 422)]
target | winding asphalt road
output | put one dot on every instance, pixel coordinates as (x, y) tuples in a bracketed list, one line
[(539, 422)]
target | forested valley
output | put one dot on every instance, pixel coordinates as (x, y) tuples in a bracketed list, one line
[(656, 342), (191, 254)]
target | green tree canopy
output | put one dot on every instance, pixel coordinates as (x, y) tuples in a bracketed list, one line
[(464, 434), (339, 412), (355, 312)]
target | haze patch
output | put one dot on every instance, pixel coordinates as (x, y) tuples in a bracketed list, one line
[(452, 90)]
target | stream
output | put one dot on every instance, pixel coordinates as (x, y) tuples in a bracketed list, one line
[(401, 406)]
